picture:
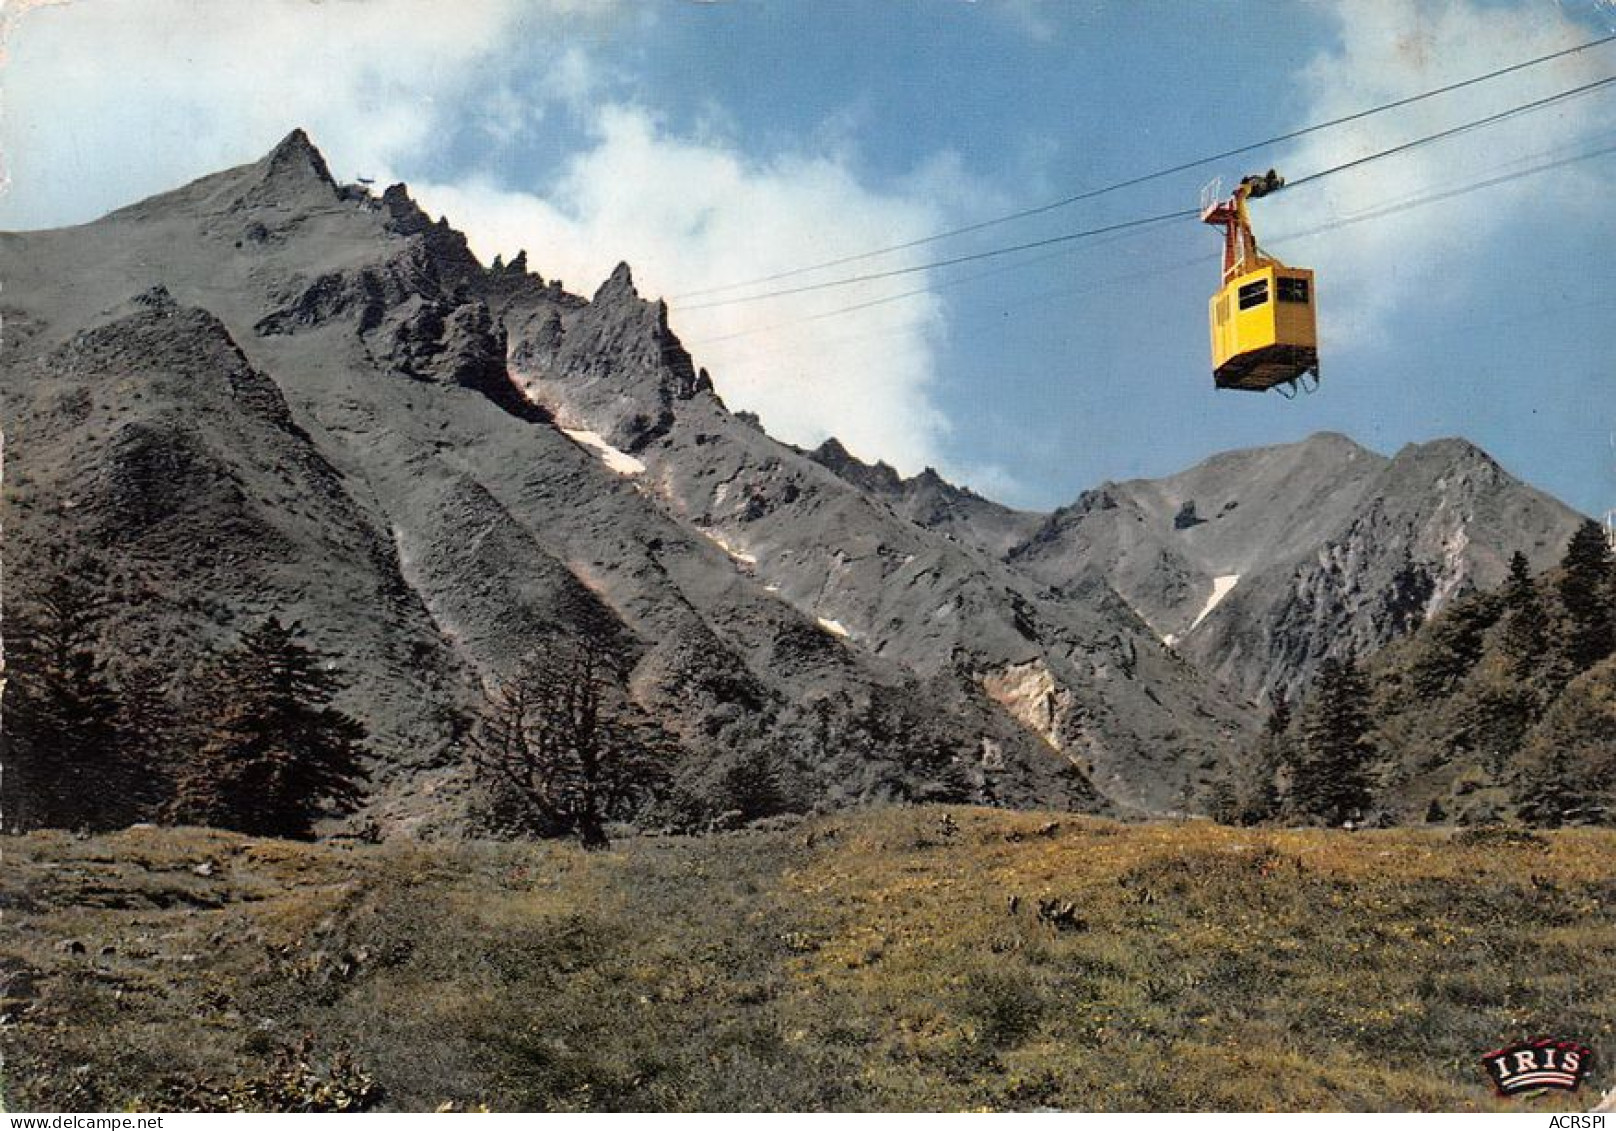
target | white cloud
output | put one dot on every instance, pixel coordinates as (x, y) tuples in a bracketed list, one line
[(107, 101), (1392, 48), (691, 214)]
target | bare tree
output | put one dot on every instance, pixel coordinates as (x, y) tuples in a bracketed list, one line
[(562, 749)]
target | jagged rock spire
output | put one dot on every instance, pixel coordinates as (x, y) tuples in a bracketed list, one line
[(620, 284)]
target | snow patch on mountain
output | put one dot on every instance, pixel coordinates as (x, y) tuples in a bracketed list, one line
[(1220, 589), (737, 555), (619, 461)]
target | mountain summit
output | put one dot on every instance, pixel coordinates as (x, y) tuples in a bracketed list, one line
[(1257, 565), (293, 165)]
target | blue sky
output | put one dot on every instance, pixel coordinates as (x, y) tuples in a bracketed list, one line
[(712, 143)]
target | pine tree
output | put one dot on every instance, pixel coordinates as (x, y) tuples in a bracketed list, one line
[(151, 722), (750, 784), (1278, 723), (1525, 638), (1549, 793), (1588, 596), (1498, 705), (275, 753), (70, 759), (1262, 798), (1248, 791), (1452, 644), (1566, 771), (1330, 779)]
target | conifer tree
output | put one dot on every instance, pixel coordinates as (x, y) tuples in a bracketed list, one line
[(1452, 644), (1248, 792), (751, 785), (1498, 706), (1261, 801), (1588, 596), (1330, 778), (1526, 622), (1278, 723), (275, 754), (1549, 791), (152, 724), (1566, 771), (70, 758)]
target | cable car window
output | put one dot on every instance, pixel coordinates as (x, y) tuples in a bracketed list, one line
[(1253, 294), (1293, 290)]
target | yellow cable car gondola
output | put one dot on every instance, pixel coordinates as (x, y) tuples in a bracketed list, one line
[(1264, 333)]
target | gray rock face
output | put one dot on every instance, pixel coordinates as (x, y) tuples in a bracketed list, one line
[(907, 572), (313, 417), (931, 501), (267, 392), (1324, 548), (150, 439)]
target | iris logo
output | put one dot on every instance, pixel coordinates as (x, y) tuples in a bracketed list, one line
[(1535, 1065)]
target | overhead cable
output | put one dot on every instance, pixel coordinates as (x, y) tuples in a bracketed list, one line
[(1163, 217), (1157, 174)]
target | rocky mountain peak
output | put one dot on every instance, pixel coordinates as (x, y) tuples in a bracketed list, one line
[(1456, 468), (291, 175), (619, 285), (612, 360), (1332, 440), (879, 478), (296, 155), (404, 216), (447, 248), (1451, 450), (517, 265)]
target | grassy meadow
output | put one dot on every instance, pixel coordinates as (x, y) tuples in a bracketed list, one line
[(906, 958)]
